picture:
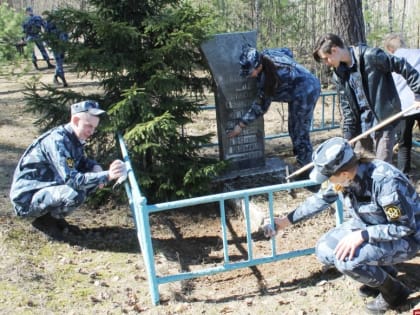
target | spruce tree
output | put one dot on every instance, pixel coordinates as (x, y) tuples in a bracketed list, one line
[(146, 57)]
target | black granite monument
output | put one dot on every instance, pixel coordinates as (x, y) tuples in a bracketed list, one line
[(234, 95)]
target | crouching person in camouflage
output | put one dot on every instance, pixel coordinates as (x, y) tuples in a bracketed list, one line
[(54, 177), (384, 228)]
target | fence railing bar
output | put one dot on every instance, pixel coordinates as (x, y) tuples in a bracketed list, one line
[(234, 266), (237, 194), (271, 215), (248, 227), (224, 231)]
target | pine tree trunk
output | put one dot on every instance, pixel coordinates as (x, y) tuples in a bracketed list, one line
[(347, 20)]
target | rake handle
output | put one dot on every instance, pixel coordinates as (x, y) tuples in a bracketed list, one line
[(357, 138)]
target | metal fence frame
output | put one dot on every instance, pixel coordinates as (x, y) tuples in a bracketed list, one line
[(141, 212)]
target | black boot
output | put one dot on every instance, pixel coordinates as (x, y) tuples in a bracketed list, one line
[(54, 228), (367, 291), (35, 65), (55, 80), (404, 159), (49, 226), (392, 293), (50, 65), (64, 82)]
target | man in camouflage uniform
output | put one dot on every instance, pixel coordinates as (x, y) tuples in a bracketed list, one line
[(281, 79), (385, 226), (32, 27), (54, 177)]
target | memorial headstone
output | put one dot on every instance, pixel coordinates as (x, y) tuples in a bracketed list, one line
[(234, 95)]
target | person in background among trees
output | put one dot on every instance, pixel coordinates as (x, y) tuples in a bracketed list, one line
[(32, 28), (384, 228), (363, 76), (282, 79), (394, 43), (54, 177), (57, 40)]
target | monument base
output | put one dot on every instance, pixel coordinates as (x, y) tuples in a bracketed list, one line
[(274, 167), (272, 173)]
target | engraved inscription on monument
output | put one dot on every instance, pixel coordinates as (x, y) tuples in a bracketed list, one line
[(234, 96)]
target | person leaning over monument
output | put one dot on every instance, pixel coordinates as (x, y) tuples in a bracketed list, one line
[(53, 177), (32, 28), (394, 44), (282, 79), (363, 76), (384, 228)]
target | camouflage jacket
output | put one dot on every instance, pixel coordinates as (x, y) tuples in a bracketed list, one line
[(296, 82), (55, 158), (380, 197), (32, 26)]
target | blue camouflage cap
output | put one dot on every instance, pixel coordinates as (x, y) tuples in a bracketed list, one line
[(91, 107), (29, 10), (330, 157), (249, 59)]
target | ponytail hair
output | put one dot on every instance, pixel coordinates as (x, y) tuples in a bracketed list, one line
[(271, 79)]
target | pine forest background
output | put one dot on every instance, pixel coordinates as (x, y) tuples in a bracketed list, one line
[(292, 23), (145, 56)]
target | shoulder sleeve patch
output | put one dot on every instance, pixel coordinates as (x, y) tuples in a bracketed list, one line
[(70, 162), (392, 212)]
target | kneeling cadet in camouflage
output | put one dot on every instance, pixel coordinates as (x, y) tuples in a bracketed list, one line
[(384, 228), (54, 177)]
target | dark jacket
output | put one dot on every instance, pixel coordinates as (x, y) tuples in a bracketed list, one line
[(375, 67)]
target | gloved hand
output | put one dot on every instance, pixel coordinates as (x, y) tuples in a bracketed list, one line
[(269, 230), (279, 224), (119, 168), (121, 179)]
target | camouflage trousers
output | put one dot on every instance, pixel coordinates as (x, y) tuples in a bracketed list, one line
[(372, 261), (59, 201), (59, 63), (299, 125), (38, 42)]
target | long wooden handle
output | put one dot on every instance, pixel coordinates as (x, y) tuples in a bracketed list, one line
[(357, 138)]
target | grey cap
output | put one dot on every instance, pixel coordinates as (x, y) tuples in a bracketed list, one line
[(90, 107), (330, 157)]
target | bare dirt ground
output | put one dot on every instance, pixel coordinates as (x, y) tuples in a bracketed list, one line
[(102, 270)]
